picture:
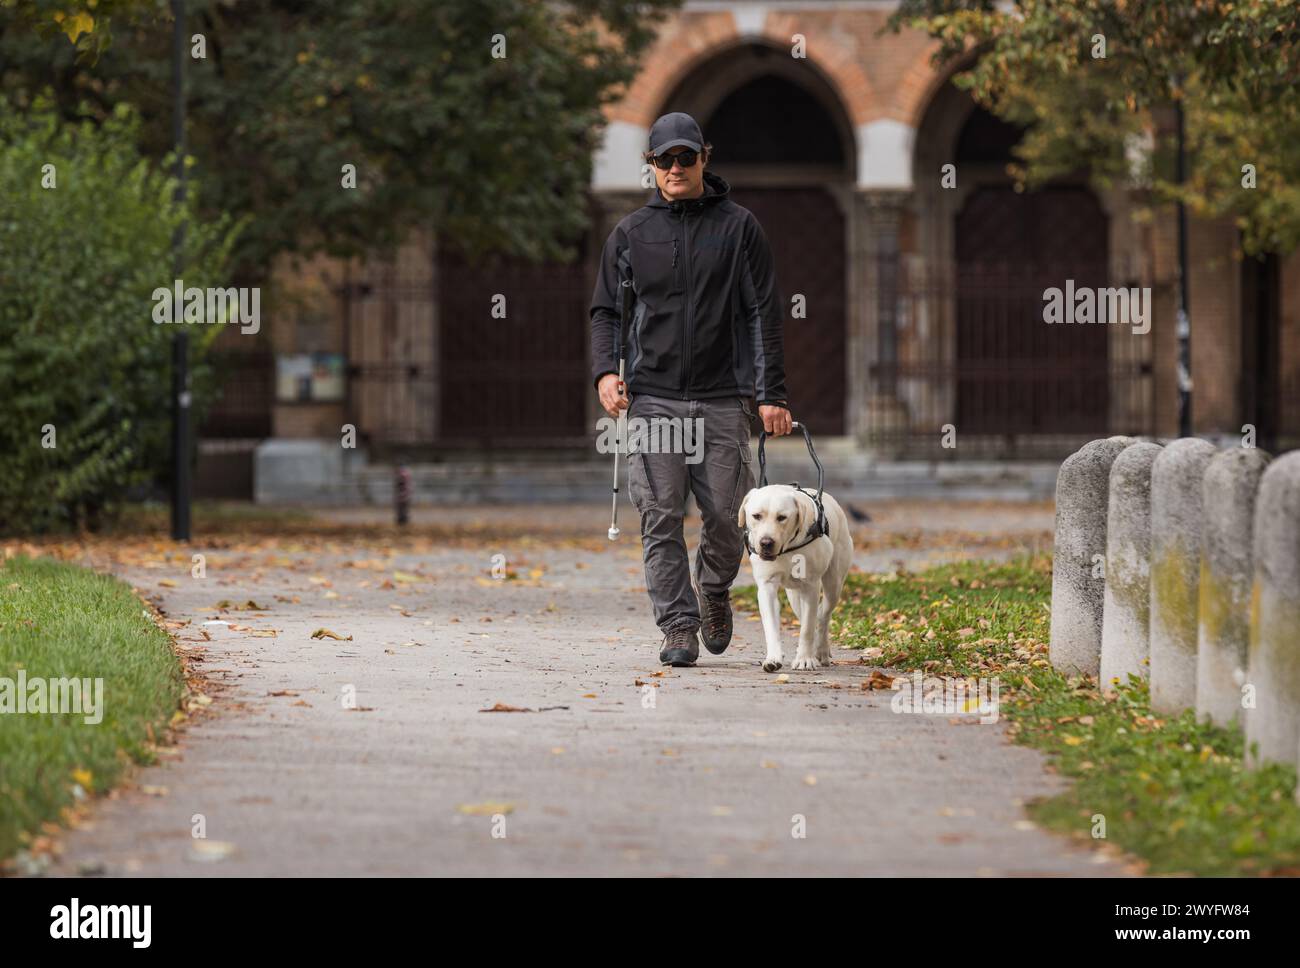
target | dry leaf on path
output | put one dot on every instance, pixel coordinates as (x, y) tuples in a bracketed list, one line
[(487, 809), (327, 634)]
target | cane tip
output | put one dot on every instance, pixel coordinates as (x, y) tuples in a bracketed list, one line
[(613, 533)]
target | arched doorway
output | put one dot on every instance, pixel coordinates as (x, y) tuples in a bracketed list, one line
[(783, 142)]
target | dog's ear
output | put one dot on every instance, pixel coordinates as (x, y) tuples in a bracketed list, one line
[(740, 514), (807, 514)]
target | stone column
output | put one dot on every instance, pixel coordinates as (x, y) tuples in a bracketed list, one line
[(1274, 671), (1176, 520), (1228, 494), (1127, 609), (872, 346), (1079, 555)]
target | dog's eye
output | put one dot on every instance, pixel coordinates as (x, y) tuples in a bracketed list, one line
[(780, 517), (757, 515)]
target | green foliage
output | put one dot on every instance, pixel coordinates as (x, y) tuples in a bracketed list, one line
[(85, 25), (1232, 65), (79, 351), (491, 152), (46, 610), (1174, 792)]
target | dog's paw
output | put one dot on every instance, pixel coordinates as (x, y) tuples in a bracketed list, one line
[(770, 664), (805, 662)]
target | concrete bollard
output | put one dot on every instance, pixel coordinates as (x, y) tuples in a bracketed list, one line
[(1274, 669), (1127, 603), (1082, 489), (1177, 521), (1227, 569)]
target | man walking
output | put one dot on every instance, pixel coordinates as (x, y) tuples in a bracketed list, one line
[(705, 335)]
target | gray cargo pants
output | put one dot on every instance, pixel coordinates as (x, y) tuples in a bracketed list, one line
[(658, 483)]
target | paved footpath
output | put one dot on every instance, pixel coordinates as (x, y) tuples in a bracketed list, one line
[(621, 768)]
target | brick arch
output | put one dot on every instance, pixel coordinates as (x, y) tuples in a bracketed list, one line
[(693, 39), (922, 81)]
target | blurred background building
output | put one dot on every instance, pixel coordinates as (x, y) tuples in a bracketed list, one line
[(924, 303)]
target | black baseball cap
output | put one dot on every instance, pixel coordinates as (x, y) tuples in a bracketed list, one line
[(675, 129)]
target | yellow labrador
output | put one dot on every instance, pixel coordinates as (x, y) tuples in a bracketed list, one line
[(785, 551)]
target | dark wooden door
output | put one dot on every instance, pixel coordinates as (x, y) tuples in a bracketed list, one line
[(805, 229), (522, 380), (1016, 374)]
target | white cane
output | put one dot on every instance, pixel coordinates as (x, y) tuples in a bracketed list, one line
[(621, 428)]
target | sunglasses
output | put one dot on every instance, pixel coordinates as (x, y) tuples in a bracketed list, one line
[(665, 161)]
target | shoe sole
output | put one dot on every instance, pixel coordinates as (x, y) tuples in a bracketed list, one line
[(682, 658)]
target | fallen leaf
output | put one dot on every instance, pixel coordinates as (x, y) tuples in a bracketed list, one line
[(877, 680), (487, 809), (327, 634), (210, 851)]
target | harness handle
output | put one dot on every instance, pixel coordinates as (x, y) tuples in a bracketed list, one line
[(821, 473)]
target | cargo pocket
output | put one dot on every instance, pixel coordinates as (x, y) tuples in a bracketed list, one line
[(744, 480), (639, 486)]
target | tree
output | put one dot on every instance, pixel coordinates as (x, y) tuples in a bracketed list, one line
[(1091, 77), (475, 119)]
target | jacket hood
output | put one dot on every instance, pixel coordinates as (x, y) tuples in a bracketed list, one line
[(715, 190)]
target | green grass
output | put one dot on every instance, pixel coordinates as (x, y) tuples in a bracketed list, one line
[(1172, 791), (58, 620)]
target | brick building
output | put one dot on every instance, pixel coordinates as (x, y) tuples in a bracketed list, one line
[(924, 299)]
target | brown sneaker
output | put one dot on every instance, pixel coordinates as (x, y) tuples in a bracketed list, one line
[(681, 648), (715, 621)]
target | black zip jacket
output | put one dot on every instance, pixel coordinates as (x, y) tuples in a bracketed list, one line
[(707, 316)]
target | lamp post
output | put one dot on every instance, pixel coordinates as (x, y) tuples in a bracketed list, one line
[(180, 338), (1184, 327)]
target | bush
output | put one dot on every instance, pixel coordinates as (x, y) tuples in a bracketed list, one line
[(85, 238)]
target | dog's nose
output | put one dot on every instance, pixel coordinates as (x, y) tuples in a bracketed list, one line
[(766, 543)]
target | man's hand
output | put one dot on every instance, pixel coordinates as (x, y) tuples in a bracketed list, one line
[(610, 398), (776, 420)]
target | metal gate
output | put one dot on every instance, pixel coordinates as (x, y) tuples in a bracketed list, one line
[(973, 351), (521, 380), (805, 229), (1015, 373)]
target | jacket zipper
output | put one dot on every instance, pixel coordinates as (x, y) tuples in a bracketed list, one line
[(686, 343)]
